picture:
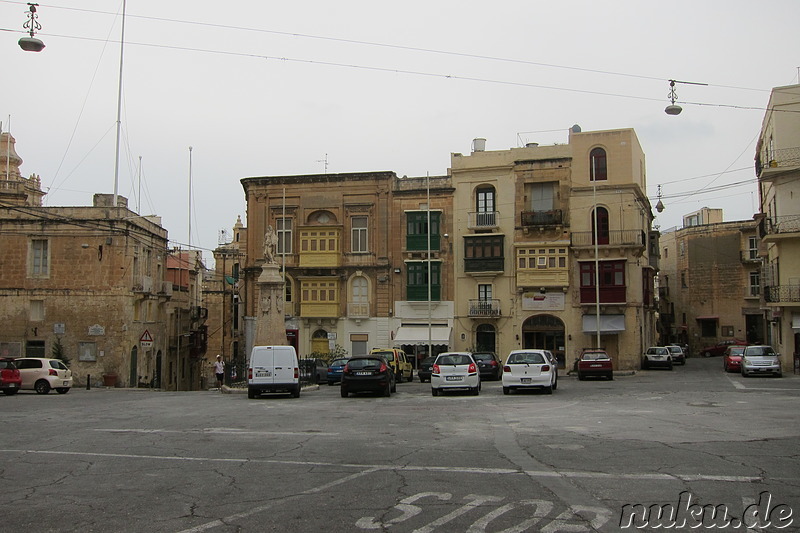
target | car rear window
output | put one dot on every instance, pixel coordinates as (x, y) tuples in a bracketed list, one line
[(594, 356), (339, 362), (674, 349), (531, 358), (356, 364), (483, 357), (454, 360), (389, 356), (8, 365)]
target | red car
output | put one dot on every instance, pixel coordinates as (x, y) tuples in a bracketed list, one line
[(732, 360), (595, 363), (10, 378), (718, 349)]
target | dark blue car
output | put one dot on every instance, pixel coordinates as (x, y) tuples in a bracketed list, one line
[(335, 371)]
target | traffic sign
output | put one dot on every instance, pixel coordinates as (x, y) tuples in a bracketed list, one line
[(146, 340)]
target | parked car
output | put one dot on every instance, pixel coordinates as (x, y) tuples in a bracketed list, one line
[(657, 356), (368, 373), (489, 365), (425, 368), (732, 360), (315, 369), (399, 362), (529, 369), (10, 378), (455, 370), (334, 372), (595, 363), (715, 350), (42, 374), (760, 360), (678, 357), (273, 369)]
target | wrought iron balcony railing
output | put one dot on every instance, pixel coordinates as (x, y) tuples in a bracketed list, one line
[(624, 237), (782, 293), (484, 308)]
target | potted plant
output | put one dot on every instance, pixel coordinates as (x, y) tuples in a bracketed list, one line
[(109, 375)]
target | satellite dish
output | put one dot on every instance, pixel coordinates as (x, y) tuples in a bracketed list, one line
[(576, 129)]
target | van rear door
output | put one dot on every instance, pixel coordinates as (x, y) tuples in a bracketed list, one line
[(284, 363)]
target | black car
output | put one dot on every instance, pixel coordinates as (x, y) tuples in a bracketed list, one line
[(368, 374), (489, 365), (425, 369)]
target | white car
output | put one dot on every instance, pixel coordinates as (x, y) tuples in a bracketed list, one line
[(455, 370), (42, 374), (657, 356), (529, 369)]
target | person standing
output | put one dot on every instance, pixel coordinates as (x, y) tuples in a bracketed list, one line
[(219, 370)]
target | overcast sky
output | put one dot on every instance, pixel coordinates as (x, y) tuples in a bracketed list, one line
[(275, 88)]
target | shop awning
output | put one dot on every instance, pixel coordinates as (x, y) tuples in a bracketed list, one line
[(609, 324), (418, 335)]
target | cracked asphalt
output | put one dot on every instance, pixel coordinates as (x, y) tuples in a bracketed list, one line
[(142, 460)]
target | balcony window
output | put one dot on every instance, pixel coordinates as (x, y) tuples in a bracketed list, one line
[(284, 231), (602, 230), (612, 281), (359, 234), (485, 206), (754, 289), (359, 297), (417, 281), (597, 165), (417, 230), (39, 258), (752, 248), (541, 258)]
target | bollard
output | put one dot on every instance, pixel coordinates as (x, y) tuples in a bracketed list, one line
[(88, 382)]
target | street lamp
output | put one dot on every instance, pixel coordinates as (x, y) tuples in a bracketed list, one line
[(672, 108), (32, 44)]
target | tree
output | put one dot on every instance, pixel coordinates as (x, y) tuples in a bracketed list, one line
[(59, 352)]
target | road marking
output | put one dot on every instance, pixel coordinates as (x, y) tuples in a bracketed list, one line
[(741, 386), (223, 431), (569, 474)]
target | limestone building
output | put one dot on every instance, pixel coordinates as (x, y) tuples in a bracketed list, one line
[(778, 171)]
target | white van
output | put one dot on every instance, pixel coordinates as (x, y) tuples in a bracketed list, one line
[(273, 369)]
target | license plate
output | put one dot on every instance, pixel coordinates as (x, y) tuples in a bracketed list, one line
[(525, 380), (263, 374), (453, 378), (363, 373), (595, 366), (66, 383), (12, 385)]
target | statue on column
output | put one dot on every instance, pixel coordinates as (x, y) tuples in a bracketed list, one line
[(270, 244)]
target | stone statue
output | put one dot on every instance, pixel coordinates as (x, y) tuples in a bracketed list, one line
[(270, 244)]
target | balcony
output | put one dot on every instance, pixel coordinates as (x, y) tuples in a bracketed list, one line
[(484, 264), (782, 294), (483, 220), (533, 219), (750, 256), (608, 295), (357, 310), (621, 237), (484, 308), (782, 160), (775, 226), (419, 243)]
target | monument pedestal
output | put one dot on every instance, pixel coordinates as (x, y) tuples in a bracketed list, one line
[(270, 324)]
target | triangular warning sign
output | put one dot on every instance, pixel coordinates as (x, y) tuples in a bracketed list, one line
[(146, 337)]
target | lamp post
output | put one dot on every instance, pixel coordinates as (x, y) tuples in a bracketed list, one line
[(32, 44)]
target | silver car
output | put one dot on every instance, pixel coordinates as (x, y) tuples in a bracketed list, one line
[(760, 360), (42, 374)]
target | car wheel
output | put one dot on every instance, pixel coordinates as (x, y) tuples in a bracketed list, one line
[(411, 377), (778, 374), (670, 366), (41, 387), (388, 391), (398, 378), (296, 391), (581, 377), (330, 383), (251, 394), (706, 354), (555, 384), (10, 392), (434, 392), (394, 387), (343, 392), (475, 391), (610, 377), (645, 365), (506, 390), (725, 367), (548, 389), (62, 390)]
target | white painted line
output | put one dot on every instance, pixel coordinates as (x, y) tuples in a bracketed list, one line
[(223, 431), (411, 468), (741, 386)]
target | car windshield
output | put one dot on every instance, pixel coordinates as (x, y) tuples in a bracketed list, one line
[(389, 356), (360, 364), (456, 359), (483, 356), (339, 362), (759, 351), (530, 358), (594, 356), (736, 350), (674, 349)]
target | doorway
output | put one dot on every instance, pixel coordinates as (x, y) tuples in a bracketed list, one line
[(545, 332)]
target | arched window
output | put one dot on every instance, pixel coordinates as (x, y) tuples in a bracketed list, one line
[(597, 165), (602, 230), (359, 297)]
